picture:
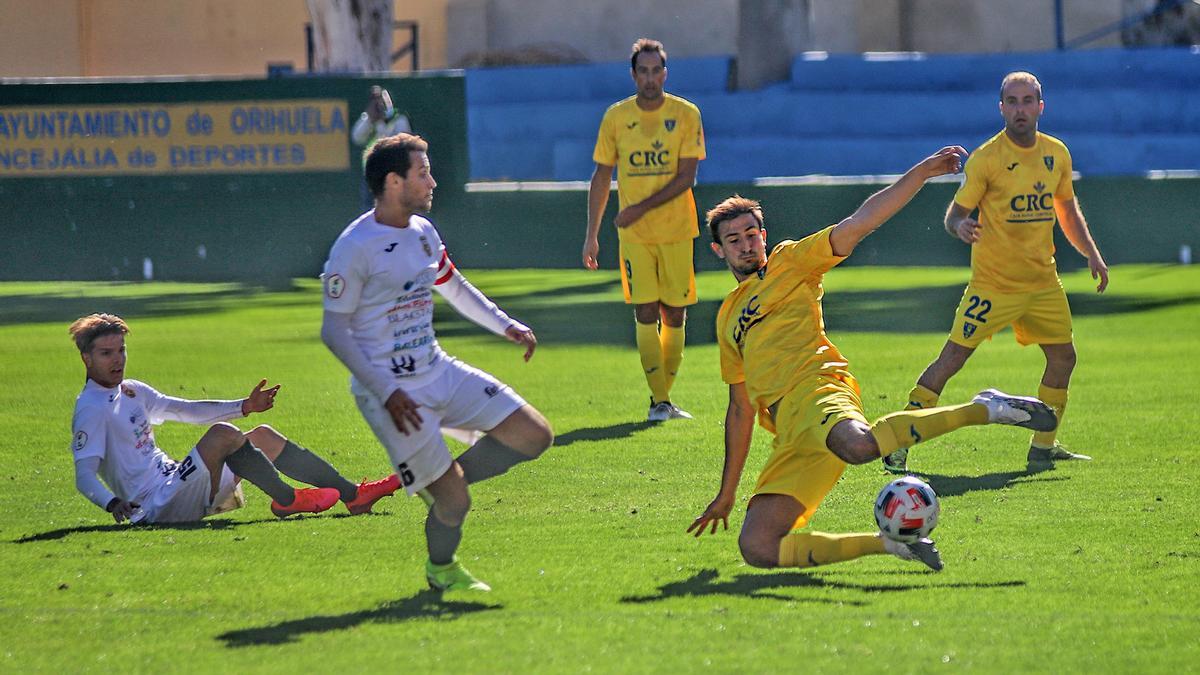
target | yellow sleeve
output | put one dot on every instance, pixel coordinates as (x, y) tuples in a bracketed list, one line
[(732, 369), (606, 142), (971, 192), (1065, 190), (693, 144), (811, 255)]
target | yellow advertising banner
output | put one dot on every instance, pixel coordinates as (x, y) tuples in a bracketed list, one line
[(146, 138)]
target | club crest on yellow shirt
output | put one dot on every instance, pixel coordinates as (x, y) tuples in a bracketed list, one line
[(1049, 160), (669, 124)]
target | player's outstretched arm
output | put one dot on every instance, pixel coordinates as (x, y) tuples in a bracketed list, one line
[(739, 428), (884, 204), (597, 201), (474, 305), (1070, 218)]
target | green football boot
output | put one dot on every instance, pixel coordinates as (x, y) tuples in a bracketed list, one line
[(897, 462), (452, 577), (1053, 454)]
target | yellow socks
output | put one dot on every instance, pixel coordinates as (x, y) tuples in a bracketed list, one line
[(907, 428), (809, 549), (672, 351), (1057, 399), (650, 349), (920, 397)]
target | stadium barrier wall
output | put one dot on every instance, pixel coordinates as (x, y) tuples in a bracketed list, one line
[(1132, 219), (200, 213)]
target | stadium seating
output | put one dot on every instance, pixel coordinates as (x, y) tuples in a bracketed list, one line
[(1122, 112)]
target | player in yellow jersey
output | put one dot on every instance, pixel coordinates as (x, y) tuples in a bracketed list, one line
[(655, 141), (1020, 180), (779, 363)]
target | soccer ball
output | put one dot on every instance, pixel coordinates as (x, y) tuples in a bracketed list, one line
[(906, 509)]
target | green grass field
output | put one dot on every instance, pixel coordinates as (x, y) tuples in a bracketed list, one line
[(1086, 567)]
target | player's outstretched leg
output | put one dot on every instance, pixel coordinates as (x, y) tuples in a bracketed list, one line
[(225, 445), (300, 463), (522, 436), (766, 539), (854, 443)]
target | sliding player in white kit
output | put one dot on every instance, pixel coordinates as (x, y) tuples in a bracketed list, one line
[(120, 468), (378, 321)]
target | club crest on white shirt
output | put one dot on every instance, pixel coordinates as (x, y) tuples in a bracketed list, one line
[(81, 439), (335, 286), (426, 247)]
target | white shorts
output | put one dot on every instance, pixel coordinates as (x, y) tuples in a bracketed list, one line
[(462, 397), (182, 494)]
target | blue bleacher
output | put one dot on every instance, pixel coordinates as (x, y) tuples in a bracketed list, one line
[(1121, 112)]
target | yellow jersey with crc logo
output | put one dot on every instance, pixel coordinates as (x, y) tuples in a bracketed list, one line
[(1014, 189), (771, 330), (646, 147)]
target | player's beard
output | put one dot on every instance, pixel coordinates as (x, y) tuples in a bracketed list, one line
[(747, 267)]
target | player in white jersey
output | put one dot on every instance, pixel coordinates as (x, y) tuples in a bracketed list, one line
[(121, 469), (378, 321)]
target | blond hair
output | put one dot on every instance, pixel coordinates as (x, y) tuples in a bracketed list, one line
[(1021, 76), (86, 329)]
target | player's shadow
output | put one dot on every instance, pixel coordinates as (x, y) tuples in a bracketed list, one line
[(425, 604), (955, 486), (610, 432), (61, 533), (706, 583)]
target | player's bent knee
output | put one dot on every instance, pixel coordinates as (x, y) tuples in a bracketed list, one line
[(853, 443), (541, 435), (226, 435), (759, 551)]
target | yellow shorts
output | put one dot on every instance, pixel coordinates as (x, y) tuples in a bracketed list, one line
[(1040, 317), (801, 464), (658, 273)]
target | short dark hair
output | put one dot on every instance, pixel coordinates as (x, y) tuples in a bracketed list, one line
[(86, 329), (731, 208), (390, 155), (647, 46)]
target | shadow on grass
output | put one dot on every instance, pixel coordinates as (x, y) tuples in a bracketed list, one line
[(61, 533), (923, 309), (704, 583), (955, 486), (425, 604), (65, 308), (622, 430)]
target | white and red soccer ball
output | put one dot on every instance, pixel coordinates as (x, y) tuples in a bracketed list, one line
[(906, 509)]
